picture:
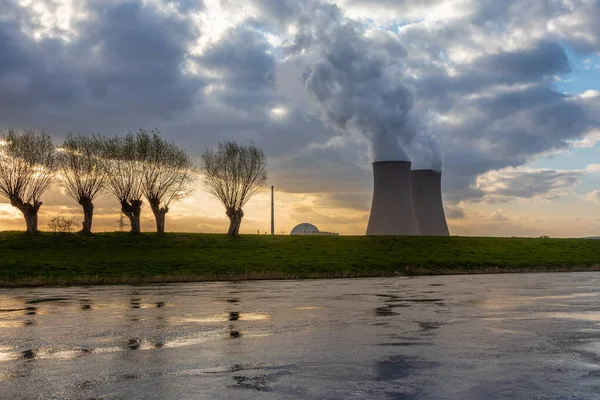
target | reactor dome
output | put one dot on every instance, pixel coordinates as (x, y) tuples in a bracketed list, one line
[(304, 229)]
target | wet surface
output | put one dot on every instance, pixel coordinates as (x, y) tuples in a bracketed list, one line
[(533, 336)]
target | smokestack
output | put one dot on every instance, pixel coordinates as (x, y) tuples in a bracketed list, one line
[(272, 210), (392, 211), (426, 187)]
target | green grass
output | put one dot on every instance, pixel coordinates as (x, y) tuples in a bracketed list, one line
[(50, 259)]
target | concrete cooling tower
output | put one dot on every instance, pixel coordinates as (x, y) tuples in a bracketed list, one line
[(392, 211), (427, 201)]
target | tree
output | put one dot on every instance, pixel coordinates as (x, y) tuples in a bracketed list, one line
[(168, 173), (83, 173), (233, 174), (125, 174), (27, 168)]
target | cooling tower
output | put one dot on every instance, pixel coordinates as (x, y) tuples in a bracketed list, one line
[(427, 200), (392, 211)]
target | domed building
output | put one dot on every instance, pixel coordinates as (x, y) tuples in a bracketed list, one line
[(308, 229), (304, 229)]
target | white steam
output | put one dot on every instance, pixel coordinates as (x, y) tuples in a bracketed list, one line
[(354, 83), (426, 152)]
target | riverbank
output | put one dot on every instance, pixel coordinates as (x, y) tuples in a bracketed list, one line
[(120, 258)]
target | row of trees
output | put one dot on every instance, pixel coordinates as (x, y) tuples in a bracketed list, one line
[(138, 166)]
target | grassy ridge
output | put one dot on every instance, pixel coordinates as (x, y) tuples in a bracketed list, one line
[(123, 258)]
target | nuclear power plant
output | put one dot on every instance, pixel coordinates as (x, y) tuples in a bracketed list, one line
[(405, 202), (392, 210), (426, 188)]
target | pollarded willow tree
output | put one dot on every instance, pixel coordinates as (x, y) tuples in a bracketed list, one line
[(125, 174), (168, 173), (234, 173), (27, 169), (83, 172)]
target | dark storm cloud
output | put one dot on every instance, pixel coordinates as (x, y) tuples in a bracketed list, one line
[(535, 65), (507, 108), (243, 64), (125, 63), (546, 58), (137, 58), (27, 82)]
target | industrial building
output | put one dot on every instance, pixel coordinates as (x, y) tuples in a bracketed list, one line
[(392, 210), (426, 189), (405, 202), (309, 229)]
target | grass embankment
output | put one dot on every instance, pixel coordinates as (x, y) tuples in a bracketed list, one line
[(51, 259)]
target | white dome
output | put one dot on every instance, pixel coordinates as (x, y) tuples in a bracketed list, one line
[(303, 228)]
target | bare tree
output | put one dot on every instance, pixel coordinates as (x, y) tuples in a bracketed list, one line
[(82, 173), (27, 167), (233, 174), (168, 173), (125, 173)]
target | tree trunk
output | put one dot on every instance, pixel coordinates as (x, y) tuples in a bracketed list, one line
[(235, 220), (30, 212), (132, 209), (88, 214), (159, 214)]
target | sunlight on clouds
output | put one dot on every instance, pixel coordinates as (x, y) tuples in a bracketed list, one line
[(8, 211), (590, 94), (204, 213), (589, 140), (407, 11), (279, 112), (215, 19), (593, 196), (55, 19)]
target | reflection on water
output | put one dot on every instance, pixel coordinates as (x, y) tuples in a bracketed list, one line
[(379, 338), (48, 299), (218, 318), (400, 366), (134, 344), (28, 354)]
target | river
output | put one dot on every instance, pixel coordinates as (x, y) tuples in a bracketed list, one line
[(527, 336)]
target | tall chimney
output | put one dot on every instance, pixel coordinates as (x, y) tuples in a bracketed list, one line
[(427, 200), (392, 211), (272, 210)]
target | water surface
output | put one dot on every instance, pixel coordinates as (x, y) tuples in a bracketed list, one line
[(531, 336)]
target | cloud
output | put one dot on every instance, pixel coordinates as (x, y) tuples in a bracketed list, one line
[(498, 216), (482, 75), (593, 196), (455, 213), (510, 183)]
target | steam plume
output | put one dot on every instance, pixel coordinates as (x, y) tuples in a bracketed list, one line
[(426, 152), (354, 82)]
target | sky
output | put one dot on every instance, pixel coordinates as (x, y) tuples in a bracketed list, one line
[(505, 94)]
